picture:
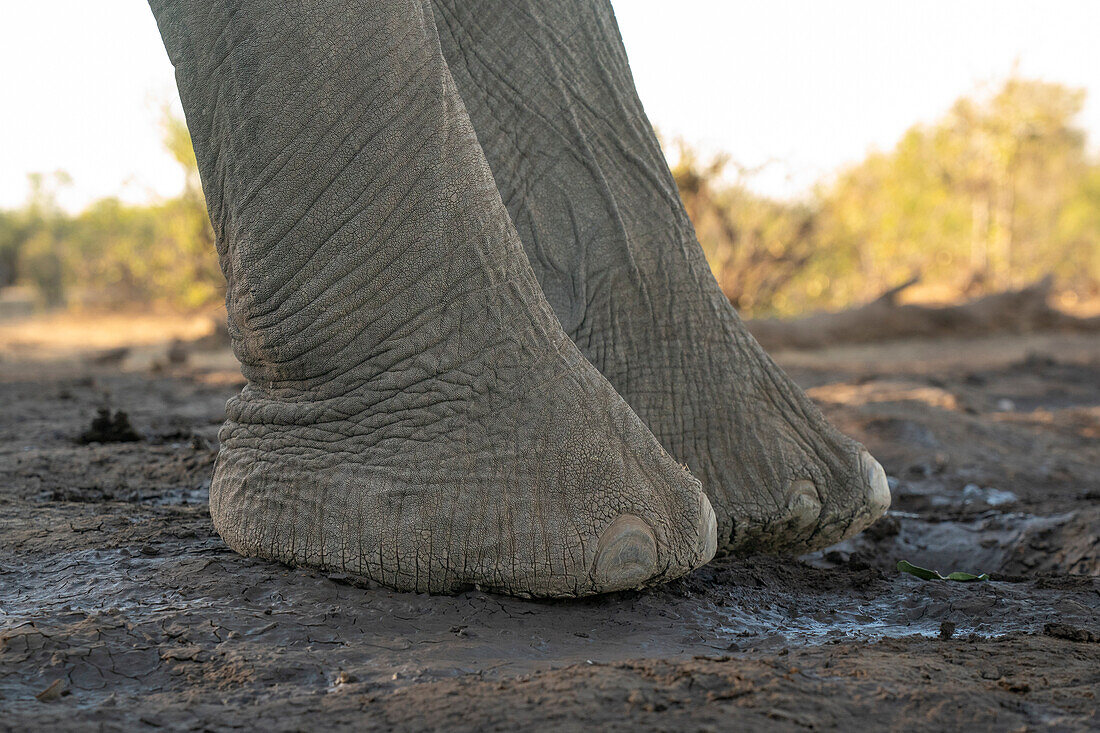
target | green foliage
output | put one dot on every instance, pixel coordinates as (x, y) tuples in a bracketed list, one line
[(37, 238), (998, 193), (926, 574), (754, 245), (113, 254)]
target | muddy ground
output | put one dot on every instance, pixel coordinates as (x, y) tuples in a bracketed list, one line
[(121, 609)]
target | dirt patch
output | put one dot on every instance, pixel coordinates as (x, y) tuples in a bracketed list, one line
[(120, 608), (109, 428)]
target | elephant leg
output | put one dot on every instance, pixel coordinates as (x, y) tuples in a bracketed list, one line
[(413, 412), (553, 103)]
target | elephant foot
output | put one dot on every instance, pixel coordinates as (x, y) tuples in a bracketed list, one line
[(809, 516), (414, 413), (603, 225), (780, 477), (548, 486)]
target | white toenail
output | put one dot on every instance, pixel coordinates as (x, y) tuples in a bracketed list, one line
[(626, 556), (878, 488), (707, 534), (804, 507)]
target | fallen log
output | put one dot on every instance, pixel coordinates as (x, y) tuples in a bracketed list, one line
[(1015, 311)]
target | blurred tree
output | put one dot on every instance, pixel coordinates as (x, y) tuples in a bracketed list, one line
[(973, 202), (999, 192), (1078, 228), (41, 248), (12, 236), (754, 245), (113, 254), (185, 232)]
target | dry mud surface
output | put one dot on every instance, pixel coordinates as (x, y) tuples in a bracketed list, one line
[(121, 609)]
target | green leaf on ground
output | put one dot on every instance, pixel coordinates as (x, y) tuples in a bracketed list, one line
[(926, 574)]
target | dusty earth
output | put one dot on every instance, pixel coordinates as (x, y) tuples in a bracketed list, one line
[(121, 609)]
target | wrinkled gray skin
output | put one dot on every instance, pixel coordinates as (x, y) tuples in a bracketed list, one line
[(553, 103), (414, 413)]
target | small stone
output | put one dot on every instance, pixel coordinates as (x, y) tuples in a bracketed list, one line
[(177, 352), (51, 693), (947, 629), (1071, 633), (1018, 686)]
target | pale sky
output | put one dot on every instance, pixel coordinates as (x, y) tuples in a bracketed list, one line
[(806, 86)]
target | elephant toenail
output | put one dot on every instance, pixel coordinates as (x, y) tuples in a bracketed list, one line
[(804, 506), (626, 556), (706, 534), (878, 488)]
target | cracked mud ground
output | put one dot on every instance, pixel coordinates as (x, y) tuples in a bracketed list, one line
[(121, 609)]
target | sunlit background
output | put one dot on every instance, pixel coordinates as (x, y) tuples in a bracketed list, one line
[(827, 152)]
